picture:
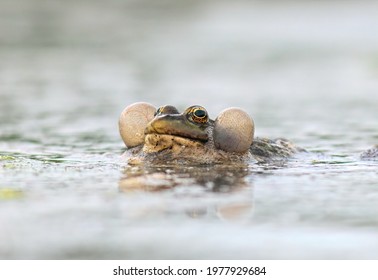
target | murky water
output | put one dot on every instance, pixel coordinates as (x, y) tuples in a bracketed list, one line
[(307, 71)]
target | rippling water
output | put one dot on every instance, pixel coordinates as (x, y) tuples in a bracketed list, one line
[(307, 71)]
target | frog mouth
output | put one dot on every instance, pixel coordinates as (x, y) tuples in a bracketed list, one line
[(176, 126)]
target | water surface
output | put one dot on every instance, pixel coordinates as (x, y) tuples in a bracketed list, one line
[(307, 71)]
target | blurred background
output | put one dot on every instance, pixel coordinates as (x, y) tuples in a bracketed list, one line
[(283, 61), (304, 70)]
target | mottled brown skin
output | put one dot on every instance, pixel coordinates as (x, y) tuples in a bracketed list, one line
[(189, 137)]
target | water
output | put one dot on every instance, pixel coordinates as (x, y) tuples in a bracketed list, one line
[(307, 71)]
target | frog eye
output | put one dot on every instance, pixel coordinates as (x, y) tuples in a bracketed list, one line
[(200, 115), (197, 114), (166, 110)]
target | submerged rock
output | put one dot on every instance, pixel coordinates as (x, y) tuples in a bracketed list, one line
[(371, 154)]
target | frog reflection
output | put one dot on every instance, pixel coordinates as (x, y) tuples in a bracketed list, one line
[(219, 191)]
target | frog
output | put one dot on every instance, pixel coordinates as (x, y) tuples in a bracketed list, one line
[(166, 135)]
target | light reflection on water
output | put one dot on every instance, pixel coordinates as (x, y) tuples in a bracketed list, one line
[(68, 71)]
